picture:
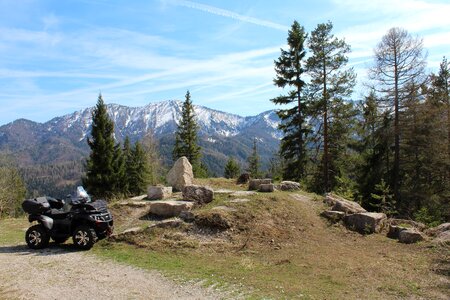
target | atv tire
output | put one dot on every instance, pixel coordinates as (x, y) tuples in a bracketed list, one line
[(37, 237), (84, 237)]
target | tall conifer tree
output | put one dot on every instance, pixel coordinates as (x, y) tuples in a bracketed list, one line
[(254, 162), (330, 85), (289, 68), (186, 136), (100, 173)]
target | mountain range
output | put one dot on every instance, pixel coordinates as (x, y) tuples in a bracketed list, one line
[(221, 134)]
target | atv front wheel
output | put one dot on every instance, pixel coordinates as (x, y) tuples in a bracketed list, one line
[(37, 237), (84, 237)]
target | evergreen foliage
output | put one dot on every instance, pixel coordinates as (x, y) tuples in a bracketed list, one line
[(232, 169), (290, 71), (138, 171), (186, 138), (12, 189), (330, 85), (254, 163), (100, 176)]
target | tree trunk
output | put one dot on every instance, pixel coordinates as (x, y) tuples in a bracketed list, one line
[(325, 131), (395, 175)]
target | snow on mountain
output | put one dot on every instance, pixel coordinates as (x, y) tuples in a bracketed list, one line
[(161, 118)]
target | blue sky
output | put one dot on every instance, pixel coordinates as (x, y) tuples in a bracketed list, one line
[(56, 56)]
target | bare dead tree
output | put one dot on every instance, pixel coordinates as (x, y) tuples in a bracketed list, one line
[(399, 60)]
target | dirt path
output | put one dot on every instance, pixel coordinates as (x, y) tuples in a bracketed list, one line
[(62, 273)]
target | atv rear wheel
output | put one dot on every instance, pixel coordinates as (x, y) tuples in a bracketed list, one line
[(84, 237), (37, 237)]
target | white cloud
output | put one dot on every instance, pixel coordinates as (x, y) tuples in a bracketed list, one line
[(229, 14)]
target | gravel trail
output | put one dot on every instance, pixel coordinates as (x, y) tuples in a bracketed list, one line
[(59, 272)]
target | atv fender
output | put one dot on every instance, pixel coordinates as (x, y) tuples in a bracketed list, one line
[(44, 220)]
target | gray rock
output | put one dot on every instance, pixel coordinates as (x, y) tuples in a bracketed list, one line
[(243, 178), (198, 194), (365, 223), (243, 193), (187, 216), (410, 236), (289, 186), (223, 192), (443, 238), (394, 231), (169, 208), (407, 224), (344, 205), (254, 184), (435, 231), (333, 216), (159, 192), (266, 187), (181, 174)]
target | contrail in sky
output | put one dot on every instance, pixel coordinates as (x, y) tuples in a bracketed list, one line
[(228, 14)]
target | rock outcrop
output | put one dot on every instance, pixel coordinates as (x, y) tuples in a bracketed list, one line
[(254, 184), (365, 222), (169, 208), (410, 236), (198, 194), (159, 192), (181, 174), (266, 188), (333, 216), (394, 231), (289, 186), (344, 205)]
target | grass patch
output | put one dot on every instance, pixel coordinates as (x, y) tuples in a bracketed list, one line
[(12, 231)]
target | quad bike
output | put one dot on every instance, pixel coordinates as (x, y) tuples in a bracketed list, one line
[(77, 216)]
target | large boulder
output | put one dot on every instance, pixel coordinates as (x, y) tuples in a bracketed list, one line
[(159, 192), (181, 174), (443, 238), (289, 186), (266, 188), (410, 236), (394, 231), (243, 178), (198, 194), (365, 222), (169, 208), (344, 205), (333, 216), (407, 223), (254, 184), (435, 231)]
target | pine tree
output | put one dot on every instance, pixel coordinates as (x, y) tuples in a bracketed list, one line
[(119, 187), (330, 85), (232, 169), (100, 173), (186, 137), (289, 72), (128, 158), (254, 162), (138, 171)]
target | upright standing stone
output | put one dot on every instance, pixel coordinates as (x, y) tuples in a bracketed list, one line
[(181, 174)]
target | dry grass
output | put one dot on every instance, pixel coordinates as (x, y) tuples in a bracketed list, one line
[(280, 248)]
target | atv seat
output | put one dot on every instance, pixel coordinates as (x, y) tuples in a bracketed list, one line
[(58, 214)]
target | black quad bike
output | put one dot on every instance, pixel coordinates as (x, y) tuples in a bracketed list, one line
[(78, 216)]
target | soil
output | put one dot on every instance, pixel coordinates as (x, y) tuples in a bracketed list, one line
[(60, 272)]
